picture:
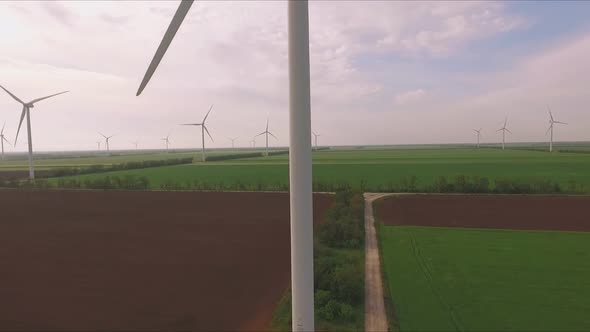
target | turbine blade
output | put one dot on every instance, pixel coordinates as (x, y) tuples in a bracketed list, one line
[(101, 134), (205, 127), (22, 117), (272, 135), (210, 108), (508, 131), (266, 124), (549, 110), (547, 132), (5, 140), (42, 98), (4, 125), (559, 122), (191, 124), (262, 133), (13, 96), (181, 12)]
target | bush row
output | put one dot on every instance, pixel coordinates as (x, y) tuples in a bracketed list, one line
[(71, 171), (127, 182)]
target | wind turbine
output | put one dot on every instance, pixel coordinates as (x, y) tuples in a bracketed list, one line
[(107, 138), (27, 111), (478, 135), (232, 141), (300, 185), (315, 139), (3, 139), (551, 122), (266, 133), (167, 141), (253, 141), (504, 130), (136, 143), (98, 143), (202, 124)]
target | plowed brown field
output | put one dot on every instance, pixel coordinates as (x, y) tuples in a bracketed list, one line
[(143, 260), (487, 211)]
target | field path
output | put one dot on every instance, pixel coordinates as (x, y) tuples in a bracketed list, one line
[(375, 318)]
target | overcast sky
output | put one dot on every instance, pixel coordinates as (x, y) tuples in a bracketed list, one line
[(382, 72)]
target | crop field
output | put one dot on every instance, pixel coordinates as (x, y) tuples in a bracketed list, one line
[(470, 278), (157, 261), (382, 170)]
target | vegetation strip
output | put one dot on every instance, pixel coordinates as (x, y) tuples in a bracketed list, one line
[(339, 269)]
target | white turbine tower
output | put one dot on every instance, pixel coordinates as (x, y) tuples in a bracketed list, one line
[(232, 141), (550, 129), (167, 141), (504, 130), (136, 143), (315, 136), (253, 141), (478, 136), (27, 111), (202, 124), (266, 133), (301, 202), (3, 139), (98, 144), (107, 138)]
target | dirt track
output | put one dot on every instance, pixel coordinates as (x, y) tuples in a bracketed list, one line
[(143, 260), (487, 211)]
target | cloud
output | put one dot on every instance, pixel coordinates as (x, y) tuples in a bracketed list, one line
[(58, 11), (441, 28), (114, 19), (408, 97)]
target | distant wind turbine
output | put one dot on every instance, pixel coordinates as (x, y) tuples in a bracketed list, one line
[(504, 130), (27, 111), (478, 135), (98, 144), (550, 129), (266, 133), (136, 143), (253, 141), (232, 141), (3, 139), (167, 141), (315, 139), (107, 138), (203, 130)]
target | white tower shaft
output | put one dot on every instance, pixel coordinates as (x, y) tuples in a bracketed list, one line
[(300, 171)]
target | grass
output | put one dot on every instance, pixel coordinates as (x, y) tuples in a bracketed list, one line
[(487, 280), (379, 170)]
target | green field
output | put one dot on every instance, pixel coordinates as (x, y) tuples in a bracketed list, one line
[(382, 170), (487, 280)]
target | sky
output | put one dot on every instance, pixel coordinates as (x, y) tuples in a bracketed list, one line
[(382, 72)]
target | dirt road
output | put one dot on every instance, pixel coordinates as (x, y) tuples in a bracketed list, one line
[(375, 318)]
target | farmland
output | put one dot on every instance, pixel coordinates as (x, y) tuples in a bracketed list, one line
[(381, 170), (476, 279), (144, 260)]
